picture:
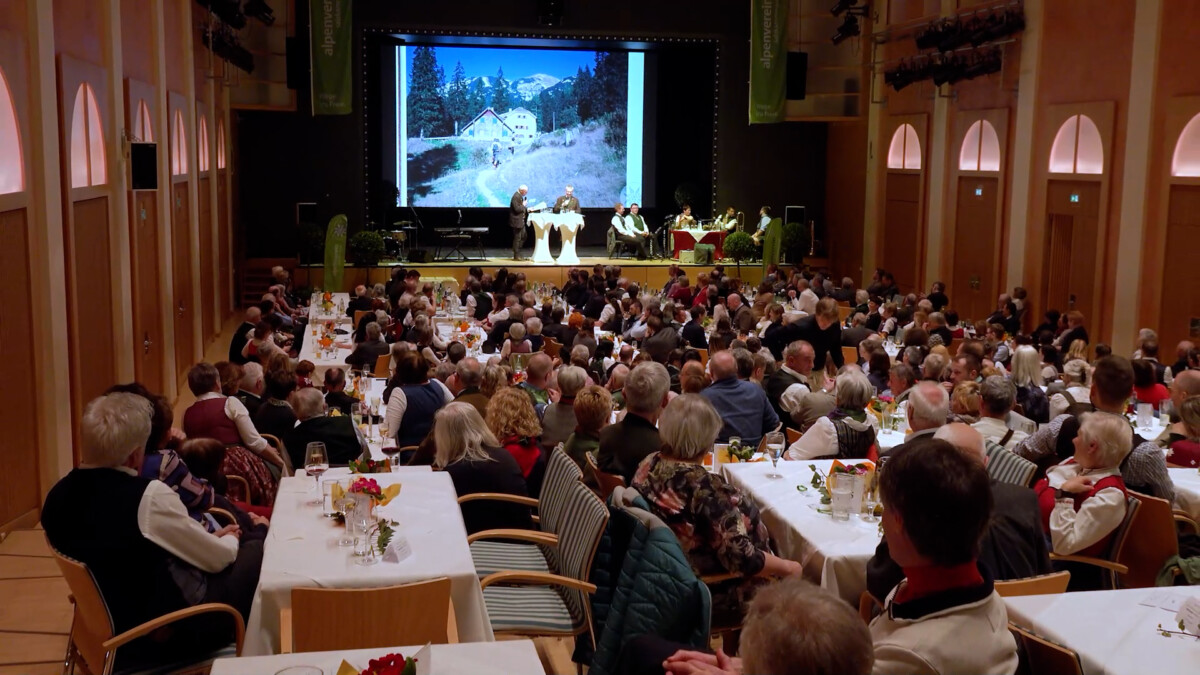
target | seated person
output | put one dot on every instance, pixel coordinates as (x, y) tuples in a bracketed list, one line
[(1185, 446), (275, 415), (936, 508), (412, 398), (335, 391), (367, 352), (342, 440), (1082, 499), (516, 342), (558, 420), (717, 525), (146, 555), (467, 450), (593, 408), (250, 387), (847, 432), (512, 420), (1146, 387), (742, 405), (304, 374), (205, 458), (623, 445)]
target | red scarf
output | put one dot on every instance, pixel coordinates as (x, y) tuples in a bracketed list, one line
[(929, 579)]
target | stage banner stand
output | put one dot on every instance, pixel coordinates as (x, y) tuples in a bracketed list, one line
[(772, 242), (331, 45), (335, 253), (768, 60)]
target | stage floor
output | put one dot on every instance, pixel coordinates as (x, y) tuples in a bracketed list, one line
[(588, 256)]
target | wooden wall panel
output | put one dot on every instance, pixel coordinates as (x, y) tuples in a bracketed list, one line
[(137, 40), (224, 250), (148, 311), (78, 27), (1181, 294), (91, 326), (972, 287), (901, 236), (207, 282), (181, 256), (19, 492)]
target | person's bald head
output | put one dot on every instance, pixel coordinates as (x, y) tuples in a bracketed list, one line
[(723, 365), (965, 438), (1185, 384), (253, 315), (616, 379)]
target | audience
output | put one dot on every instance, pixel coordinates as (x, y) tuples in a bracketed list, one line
[(625, 444), (413, 400), (512, 420), (343, 442), (847, 432), (742, 405), (997, 395)]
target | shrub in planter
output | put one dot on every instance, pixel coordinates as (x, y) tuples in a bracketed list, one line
[(740, 246), (795, 242), (366, 248)]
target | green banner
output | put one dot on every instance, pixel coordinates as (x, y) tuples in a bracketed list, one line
[(331, 44), (335, 253), (768, 60)]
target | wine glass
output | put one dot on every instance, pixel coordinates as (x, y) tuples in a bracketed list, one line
[(871, 497), (356, 415), (374, 409), (345, 505), (316, 462), (774, 443)]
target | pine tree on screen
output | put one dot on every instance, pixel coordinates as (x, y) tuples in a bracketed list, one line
[(426, 110), (501, 101), (458, 107)]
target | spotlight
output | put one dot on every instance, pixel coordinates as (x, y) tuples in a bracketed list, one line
[(847, 30), (841, 6), (224, 43), (259, 9), (550, 12), (226, 10), (984, 63)]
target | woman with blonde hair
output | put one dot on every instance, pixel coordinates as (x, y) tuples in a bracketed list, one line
[(469, 452), (512, 419), (1077, 350), (495, 378), (516, 342), (1027, 377), (964, 402)]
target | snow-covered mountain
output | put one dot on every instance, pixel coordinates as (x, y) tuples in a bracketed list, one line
[(527, 88)]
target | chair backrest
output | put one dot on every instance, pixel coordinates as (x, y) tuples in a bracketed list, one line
[(326, 619), (561, 472), (275, 442), (607, 482), (1146, 548), (552, 347), (583, 521), (382, 365), (1005, 466), (359, 314), (844, 312), (1043, 657), (1044, 584), (703, 357), (93, 622), (850, 354), (1117, 548), (793, 435)]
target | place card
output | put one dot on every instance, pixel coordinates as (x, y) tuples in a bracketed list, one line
[(424, 659), (397, 549), (1188, 616)]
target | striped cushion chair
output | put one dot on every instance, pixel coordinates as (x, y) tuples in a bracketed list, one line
[(1005, 466), (539, 552), (531, 604)]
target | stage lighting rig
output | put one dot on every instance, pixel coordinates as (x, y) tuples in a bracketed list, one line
[(228, 11), (224, 43), (259, 9), (850, 26)]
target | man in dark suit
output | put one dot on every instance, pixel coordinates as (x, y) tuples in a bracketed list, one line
[(341, 439), (693, 331), (857, 332), (661, 339), (367, 352), (335, 391), (518, 214), (1013, 546), (567, 203), (360, 302), (241, 335), (740, 314), (625, 444)]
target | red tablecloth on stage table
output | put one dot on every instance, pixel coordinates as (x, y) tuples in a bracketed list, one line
[(685, 240)]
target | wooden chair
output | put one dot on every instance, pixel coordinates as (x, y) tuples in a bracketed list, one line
[(1114, 562), (1042, 657), (703, 357), (327, 619), (221, 515), (844, 312), (383, 365), (850, 354), (359, 314), (277, 443), (551, 347), (868, 606), (406, 454), (1149, 545), (92, 633), (793, 435), (607, 481), (241, 483), (1043, 584)]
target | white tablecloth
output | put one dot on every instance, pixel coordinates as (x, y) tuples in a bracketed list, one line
[(568, 225), (1112, 633), (1187, 491), (834, 553), (302, 550), (478, 658), (308, 350)]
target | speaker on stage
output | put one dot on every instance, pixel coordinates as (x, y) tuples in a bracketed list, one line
[(418, 255), (797, 75), (703, 254)]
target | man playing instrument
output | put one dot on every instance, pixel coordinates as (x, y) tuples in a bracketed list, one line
[(728, 221), (763, 221), (685, 220)]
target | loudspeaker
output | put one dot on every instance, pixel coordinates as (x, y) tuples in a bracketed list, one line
[(306, 213), (797, 75), (143, 166), (687, 257), (703, 254), (418, 255)]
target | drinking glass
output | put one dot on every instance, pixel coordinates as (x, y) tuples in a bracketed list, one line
[(1165, 408), (316, 462), (871, 497), (774, 443), (374, 410), (1145, 414), (356, 415), (841, 495)]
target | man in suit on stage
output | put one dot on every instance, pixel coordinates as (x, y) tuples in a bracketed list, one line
[(518, 214), (567, 203)]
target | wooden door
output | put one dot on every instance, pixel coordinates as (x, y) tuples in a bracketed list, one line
[(1179, 317), (92, 342), (224, 250), (901, 231), (147, 307), (181, 256), (19, 492), (1072, 236), (972, 286), (207, 282)]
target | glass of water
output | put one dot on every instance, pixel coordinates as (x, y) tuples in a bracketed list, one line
[(774, 444), (841, 495)]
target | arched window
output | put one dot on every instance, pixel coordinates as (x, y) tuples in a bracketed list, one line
[(202, 150), (1186, 161), (143, 128), (1077, 147), (905, 150), (980, 148), (87, 140), (220, 144), (179, 157), (12, 168)]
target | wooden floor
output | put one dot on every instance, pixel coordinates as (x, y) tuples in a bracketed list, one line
[(35, 616)]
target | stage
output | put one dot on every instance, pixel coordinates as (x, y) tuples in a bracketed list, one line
[(646, 273)]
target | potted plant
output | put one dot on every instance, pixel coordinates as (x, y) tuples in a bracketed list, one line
[(366, 248), (796, 242), (740, 246)]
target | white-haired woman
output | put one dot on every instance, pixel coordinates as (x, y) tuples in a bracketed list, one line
[(470, 453), (848, 431), (1077, 397), (516, 342), (1028, 377), (717, 525)]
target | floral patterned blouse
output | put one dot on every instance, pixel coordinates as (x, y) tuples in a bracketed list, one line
[(718, 527)]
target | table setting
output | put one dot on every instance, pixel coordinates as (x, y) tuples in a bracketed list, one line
[(478, 658)]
